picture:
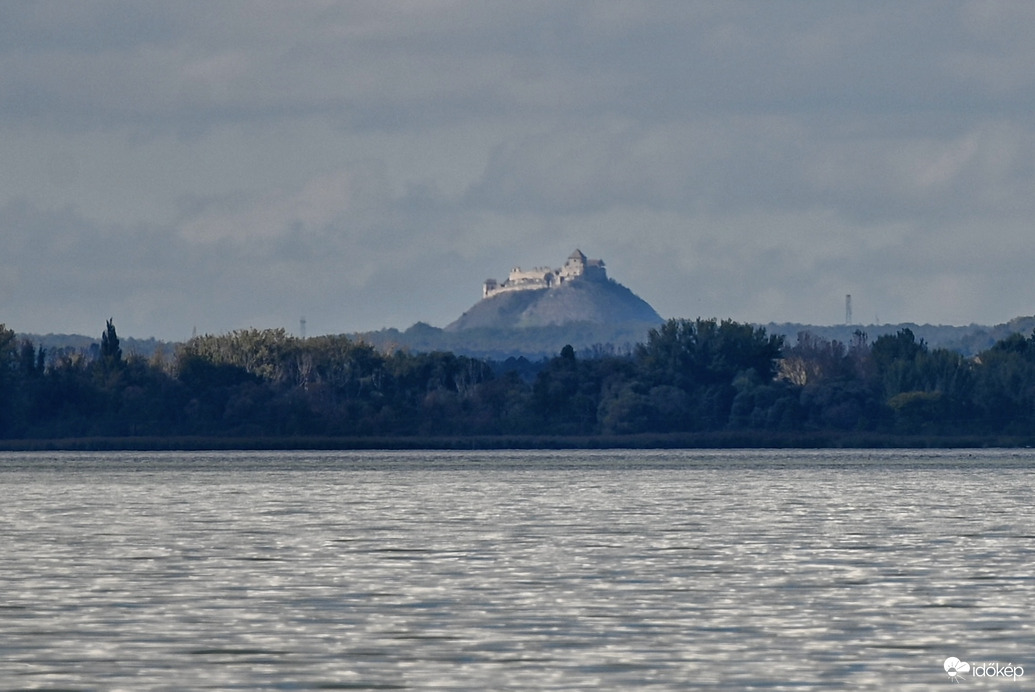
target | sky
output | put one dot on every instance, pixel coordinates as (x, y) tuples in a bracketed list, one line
[(202, 166)]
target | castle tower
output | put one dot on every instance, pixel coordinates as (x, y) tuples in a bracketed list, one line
[(575, 266)]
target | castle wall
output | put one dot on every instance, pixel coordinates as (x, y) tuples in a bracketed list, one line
[(595, 270), (540, 275), (543, 277)]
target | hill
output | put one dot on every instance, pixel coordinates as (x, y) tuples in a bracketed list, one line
[(55, 344), (586, 337), (968, 341), (534, 343), (534, 313), (500, 343), (595, 301)]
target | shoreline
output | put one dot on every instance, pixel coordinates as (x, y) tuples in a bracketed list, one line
[(711, 440)]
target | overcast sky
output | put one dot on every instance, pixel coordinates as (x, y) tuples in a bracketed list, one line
[(221, 165)]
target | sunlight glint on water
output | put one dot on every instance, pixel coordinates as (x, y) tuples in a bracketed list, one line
[(514, 570)]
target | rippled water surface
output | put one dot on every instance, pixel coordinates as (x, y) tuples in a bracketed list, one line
[(515, 570)]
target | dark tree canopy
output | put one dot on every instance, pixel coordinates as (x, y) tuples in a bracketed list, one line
[(111, 353), (688, 376), (688, 353)]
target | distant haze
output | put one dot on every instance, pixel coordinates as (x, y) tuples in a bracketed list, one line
[(214, 166)]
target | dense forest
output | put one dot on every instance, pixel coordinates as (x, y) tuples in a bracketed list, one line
[(688, 377)]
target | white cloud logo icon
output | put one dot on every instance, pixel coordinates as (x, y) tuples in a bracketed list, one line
[(955, 667)]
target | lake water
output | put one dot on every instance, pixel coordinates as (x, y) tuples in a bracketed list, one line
[(517, 570)]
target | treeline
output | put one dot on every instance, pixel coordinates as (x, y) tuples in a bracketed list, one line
[(698, 376)]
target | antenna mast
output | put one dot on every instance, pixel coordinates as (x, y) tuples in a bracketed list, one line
[(848, 309), (301, 327)]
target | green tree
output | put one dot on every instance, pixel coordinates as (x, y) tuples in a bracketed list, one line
[(927, 391), (111, 353), (567, 393), (1003, 391), (8, 378), (704, 358), (684, 353), (813, 359)]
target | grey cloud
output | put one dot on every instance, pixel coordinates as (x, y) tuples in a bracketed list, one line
[(241, 163), (765, 162), (62, 272), (187, 67)]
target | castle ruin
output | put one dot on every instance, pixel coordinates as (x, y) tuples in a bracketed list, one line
[(576, 266)]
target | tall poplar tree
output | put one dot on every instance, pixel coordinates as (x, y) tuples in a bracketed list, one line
[(111, 353)]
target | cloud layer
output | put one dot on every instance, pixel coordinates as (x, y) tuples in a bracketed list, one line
[(222, 165)]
